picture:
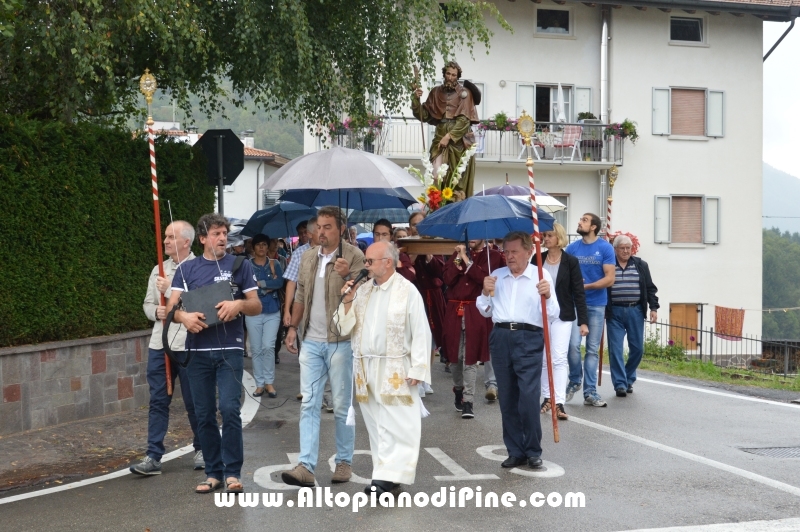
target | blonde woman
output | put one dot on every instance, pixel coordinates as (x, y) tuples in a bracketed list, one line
[(565, 270)]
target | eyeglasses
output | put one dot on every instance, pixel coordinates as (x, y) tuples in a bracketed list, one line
[(369, 262)]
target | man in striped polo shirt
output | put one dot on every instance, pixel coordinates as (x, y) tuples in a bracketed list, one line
[(633, 290)]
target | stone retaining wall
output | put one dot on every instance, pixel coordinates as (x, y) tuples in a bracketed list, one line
[(52, 383)]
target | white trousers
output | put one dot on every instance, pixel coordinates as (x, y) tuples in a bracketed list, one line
[(560, 332), (394, 433)]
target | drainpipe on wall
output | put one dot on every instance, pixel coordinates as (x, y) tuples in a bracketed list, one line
[(604, 68), (785, 33)]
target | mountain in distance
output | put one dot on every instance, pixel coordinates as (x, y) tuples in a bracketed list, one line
[(781, 197)]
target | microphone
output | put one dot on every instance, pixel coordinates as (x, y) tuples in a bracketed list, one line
[(363, 273)]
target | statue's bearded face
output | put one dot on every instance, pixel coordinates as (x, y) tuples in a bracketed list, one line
[(450, 79)]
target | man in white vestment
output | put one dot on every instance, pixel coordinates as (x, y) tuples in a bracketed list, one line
[(391, 346)]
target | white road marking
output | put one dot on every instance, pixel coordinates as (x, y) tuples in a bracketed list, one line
[(249, 409), (550, 469), (714, 392), (458, 472), (779, 525), (788, 488)]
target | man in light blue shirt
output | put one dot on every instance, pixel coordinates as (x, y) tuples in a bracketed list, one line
[(597, 261), (516, 344)]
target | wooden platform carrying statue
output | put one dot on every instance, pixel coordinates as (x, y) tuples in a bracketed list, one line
[(451, 108)]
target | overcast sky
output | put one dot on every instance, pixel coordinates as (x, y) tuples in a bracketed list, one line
[(781, 101)]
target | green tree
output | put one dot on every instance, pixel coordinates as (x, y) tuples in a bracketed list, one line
[(271, 132), (781, 283), (307, 59)]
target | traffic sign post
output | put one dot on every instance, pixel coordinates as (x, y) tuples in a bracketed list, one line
[(225, 155)]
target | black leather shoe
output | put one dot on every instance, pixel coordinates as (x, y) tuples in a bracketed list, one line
[(621, 392), (630, 389), (513, 461), (381, 486), (534, 462)]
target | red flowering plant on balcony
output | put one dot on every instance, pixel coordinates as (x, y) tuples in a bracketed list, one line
[(499, 122), (623, 130)]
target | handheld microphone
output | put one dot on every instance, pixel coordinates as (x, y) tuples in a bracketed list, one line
[(363, 273)]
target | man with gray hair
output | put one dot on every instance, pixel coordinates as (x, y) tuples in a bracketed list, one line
[(391, 342), (633, 290), (178, 238)]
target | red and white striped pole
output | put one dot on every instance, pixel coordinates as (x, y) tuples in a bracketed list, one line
[(545, 324), (147, 85)]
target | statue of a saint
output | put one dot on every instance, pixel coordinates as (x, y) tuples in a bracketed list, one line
[(451, 108)]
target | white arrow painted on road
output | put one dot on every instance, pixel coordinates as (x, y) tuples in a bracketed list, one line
[(458, 472)]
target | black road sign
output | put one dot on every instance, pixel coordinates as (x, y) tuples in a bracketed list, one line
[(225, 158)]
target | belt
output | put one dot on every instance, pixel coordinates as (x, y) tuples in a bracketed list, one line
[(625, 304), (513, 326)]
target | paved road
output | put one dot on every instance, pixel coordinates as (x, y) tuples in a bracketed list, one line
[(666, 456)]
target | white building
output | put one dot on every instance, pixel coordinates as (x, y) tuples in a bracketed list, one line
[(689, 73), (243, 197)]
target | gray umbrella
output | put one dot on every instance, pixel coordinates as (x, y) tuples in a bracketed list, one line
[(339, 168)]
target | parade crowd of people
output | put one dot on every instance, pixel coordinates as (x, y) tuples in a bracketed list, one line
[(370, 324)]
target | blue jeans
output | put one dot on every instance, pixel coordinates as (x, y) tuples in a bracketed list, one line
[(209, 371), (590, 362), (318, 360), (262, 330), (158, 416), (630, 321)]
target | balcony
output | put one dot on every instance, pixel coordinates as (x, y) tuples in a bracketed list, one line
[(401, 139)]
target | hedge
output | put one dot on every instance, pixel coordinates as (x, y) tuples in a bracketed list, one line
[(76, 237)]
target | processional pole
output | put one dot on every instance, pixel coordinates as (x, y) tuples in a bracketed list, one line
[(147, 85), (526, 126)]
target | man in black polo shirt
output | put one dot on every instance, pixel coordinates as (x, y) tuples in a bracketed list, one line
[(217, 351), (633, 290)]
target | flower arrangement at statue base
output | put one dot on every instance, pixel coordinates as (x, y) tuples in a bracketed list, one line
[(634, 240), (440, 189)]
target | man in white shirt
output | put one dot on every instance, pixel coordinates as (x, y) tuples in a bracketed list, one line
[(516, 344), (178, 238), (391, 342)]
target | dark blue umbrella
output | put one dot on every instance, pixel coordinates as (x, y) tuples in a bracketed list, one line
[(396, 216), (279, 220), (483, 217), (360, 199)]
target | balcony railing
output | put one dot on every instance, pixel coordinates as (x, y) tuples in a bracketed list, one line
[(401, 137)]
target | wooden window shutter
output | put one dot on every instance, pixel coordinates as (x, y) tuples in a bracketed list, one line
[(688, 112), (661, 111), (687, 219)]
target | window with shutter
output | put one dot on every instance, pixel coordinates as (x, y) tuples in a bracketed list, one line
[(526, 99), (661, 111), (688, 110), (687, 219), (481, 106)]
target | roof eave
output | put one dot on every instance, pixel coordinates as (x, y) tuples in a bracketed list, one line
[(772, 13)]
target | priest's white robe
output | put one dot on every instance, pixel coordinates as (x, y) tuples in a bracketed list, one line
[(394, 422)]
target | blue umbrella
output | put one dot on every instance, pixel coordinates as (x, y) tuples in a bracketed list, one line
[(395, 216), (279, 220), (483, 217), (360, 199)]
